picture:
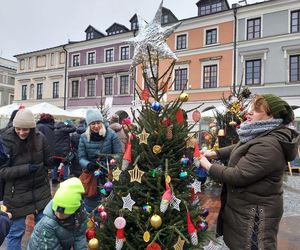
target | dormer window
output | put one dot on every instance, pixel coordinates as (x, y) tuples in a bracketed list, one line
[(134, 26), (165, 19), (206, 7), (89, 35)]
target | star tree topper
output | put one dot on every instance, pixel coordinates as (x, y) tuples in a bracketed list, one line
[(153, 36)]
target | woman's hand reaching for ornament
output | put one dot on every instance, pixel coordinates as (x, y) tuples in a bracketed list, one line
[(204, 163), (209, 154)]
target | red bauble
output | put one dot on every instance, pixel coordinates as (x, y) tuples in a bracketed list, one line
[(153, 246), (100, 208), (90, 233), (103, 215)]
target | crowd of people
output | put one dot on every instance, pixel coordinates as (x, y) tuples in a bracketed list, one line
[(251, 199)]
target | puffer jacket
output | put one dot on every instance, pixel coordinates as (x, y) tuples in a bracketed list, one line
[(50, 234), (117, 127), (62, 139), (47, 128), (88, 151), (253, 205), (25, 193)]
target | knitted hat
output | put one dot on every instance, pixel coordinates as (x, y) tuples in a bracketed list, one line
[(93, 115), (279, 108), (68, 196), (24, 119), (114, 119)]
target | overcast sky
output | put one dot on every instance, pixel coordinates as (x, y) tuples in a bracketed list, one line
[(29, 25)]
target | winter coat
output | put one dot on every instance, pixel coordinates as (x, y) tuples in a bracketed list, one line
[(47, 128), (117, 127), (50, 234), (75, 137), (88, 151), (62, 139), (25, 193), (253, 205)]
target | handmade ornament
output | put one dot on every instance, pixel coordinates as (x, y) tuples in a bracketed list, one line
[(191, 230), (155, 221), (196, 185), (146, 236), (153, 246), (179, 116), (179, 244), (156, 149), (196, 115), (116, 174), (145, 94), (143, 136), (174, 203), (90, 233), (127, 156), (156, 106), (128, 202), (136, 174), (152, 37), (120, 222), (197, 155), (120, 239), (184, 97), (166, 198), (93, 244)]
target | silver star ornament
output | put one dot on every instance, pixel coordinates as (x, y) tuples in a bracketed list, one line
[(153, 37), (128, 202), (196, 185)]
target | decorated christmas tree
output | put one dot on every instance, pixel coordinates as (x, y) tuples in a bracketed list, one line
[(149, 197)]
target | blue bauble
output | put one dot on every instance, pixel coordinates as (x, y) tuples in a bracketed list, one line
[(183, 174), (156, 106), (184, 161), (205, 212)]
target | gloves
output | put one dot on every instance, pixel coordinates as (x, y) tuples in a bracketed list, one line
[(32, 168), (91, 167)]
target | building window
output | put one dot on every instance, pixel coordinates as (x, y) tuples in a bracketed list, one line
[(180, 79), (134, 26), (90, 35), (109, 55), (91, 57), (253, 28), (24, 92), (294, 68), (181, 42), (253, 72), (208, 9), (75, 88), (164, 19), (75, 60), (210, 76), (91, 87), (211, 36), (39, 91), (55, 89), (108, 87), (124, 83), (295, 21), (125, 53)]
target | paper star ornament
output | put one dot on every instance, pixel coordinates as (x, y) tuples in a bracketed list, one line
[(196, 185), (136, 174), (116, 174), (174, 203), (143, 136), (128, 202)]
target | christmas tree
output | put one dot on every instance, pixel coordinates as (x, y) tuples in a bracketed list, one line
[(148, 197)]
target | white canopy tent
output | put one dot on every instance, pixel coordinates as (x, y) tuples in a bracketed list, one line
[(212, 112), (53, 110), (81, 112), (5, 111)]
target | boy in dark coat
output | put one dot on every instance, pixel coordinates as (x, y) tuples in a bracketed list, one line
[(64, 223)]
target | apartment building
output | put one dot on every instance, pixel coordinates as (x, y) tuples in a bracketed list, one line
[(8, 71)]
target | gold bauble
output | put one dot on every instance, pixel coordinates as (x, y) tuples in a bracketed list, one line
[(93, 244), (184, 97), (147, 236), (156, 149), (3, 208), (232, 123), (155, 221)]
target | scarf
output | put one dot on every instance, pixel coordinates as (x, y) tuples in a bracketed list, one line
[(250, 130)]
